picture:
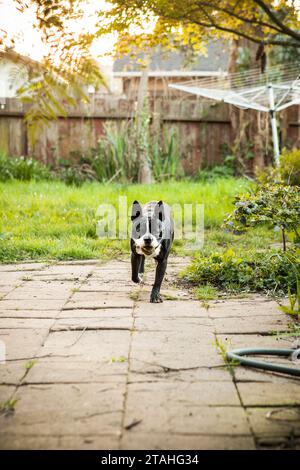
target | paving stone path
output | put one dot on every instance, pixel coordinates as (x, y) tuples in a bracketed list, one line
[(94, 365)]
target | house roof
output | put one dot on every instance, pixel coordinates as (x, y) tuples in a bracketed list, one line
[(216, 60)]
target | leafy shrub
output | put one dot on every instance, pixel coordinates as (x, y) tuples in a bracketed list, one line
[(211, 174), (275, 204), (268, 175), (227, 170), (290, 166), (287, 173), (270, 271), (22, 168), (76, 175)]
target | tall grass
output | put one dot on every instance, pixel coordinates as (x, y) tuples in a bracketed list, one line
[(165, 157), (115, 158)]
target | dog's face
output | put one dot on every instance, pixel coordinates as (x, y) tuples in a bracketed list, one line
[(147, 228)]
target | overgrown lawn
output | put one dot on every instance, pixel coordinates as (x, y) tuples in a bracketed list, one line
[(49, 220)]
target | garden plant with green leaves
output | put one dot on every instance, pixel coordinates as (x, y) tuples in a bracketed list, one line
[(273, 203), (269, 271)]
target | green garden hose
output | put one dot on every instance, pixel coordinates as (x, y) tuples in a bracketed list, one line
[(237, 355)]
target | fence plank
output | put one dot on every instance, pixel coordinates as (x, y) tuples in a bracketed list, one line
[(4, 134)]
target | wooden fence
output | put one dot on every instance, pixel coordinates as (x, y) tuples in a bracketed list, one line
[(203, 128)]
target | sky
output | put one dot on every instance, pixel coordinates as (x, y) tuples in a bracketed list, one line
[(27, 39)]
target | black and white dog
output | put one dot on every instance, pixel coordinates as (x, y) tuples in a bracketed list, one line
[(152, 237)]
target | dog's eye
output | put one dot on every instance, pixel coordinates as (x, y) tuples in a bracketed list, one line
[(138, 227)]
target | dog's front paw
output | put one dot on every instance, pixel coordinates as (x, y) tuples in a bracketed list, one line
[(155, 298), (138, 279)]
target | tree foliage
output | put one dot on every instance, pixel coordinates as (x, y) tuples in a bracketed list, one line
[(60, 78), (194, 21)]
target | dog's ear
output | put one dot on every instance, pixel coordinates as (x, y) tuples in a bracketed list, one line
[(159, 211), (136, 210)]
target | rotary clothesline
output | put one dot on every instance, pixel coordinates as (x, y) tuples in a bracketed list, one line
[(271, 91)]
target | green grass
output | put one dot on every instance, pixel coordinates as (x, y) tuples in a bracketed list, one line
[(8, 407), (206, 292), (49, 220)]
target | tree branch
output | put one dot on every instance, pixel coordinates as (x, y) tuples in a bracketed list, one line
[(228, 30), (257, 40), (285, 29), (231, 13)]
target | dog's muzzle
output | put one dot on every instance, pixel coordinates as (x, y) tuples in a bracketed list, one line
[(147, 250)]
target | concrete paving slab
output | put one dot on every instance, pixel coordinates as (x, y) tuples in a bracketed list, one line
[(92, 296), (61, 408), (117, 372), (269, 394), (279, 421), (104, 301), (6, 391), (104, 313), (250, 374), (251, 307), (173, 350), (37, 293), (20, 314), (190, 324), (107, 323), (68, 371), (171, 308), (22, 343), (12, 372), (25, 323), (153, 374), (161, 441), (97, 288), (102, 346), (177, 411), (34, 304), (4, 290), (248, 325), (235, 341), (192, 394), (10, 441), (16, 267)]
